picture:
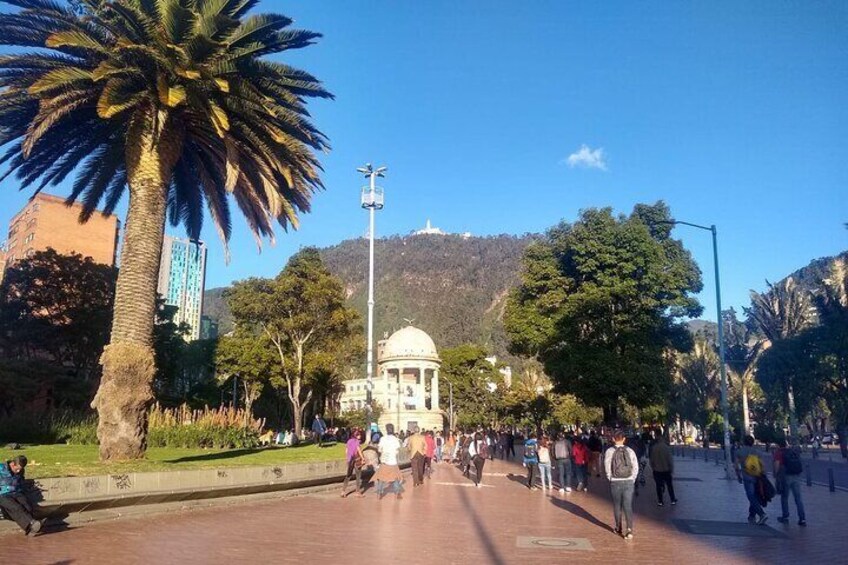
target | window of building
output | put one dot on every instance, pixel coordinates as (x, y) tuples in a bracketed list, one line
[(29, 238)]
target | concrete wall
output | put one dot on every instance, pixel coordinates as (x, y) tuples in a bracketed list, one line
[(75, 494)]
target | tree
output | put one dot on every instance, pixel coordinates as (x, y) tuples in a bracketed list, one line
[(302, 314), (57, 306), (743, 349), (600, 303), (478, 385), (250, 358), (174, 100), (697, 390), (782, 313)]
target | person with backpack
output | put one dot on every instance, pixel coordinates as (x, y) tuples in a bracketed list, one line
[(749, 469), (787, 472), (531, 458), (622, 467), (562, 455)]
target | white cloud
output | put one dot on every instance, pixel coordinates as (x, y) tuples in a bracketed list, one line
[(587, 158)]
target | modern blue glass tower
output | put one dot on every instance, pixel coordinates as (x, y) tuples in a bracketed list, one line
[(182, 276)]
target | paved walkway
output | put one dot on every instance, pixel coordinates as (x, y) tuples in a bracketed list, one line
[(449, 521)]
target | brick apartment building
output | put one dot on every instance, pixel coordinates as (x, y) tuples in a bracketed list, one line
[(46, 221)]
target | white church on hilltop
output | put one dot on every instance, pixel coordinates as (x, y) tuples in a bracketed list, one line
[(406, 383), (428, 229)]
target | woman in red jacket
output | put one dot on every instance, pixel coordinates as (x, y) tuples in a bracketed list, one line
[(580, 455)]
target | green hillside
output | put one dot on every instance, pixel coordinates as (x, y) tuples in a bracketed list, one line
[(453, 287)]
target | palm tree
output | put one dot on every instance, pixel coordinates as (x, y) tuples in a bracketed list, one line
[(783, 312), (697, 387), (174, 100)]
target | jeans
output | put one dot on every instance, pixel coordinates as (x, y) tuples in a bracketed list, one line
[(564, 468), (18, 508), (754, 508), (352, 469), (663, 479), (793, 483), (478, 469), (531, 469), (582, 476), (545, 471), (622, 500)]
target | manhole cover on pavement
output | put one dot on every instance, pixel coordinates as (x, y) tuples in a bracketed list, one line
[(734, 529), (687, 479), (568, 544)]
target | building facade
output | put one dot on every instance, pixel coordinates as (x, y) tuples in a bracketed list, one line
[(47, 222), (406, 384), (182, 278)]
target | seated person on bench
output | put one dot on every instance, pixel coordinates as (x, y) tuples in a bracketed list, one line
[(13, 503)]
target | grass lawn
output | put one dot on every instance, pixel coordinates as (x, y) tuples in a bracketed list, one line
[(82, 460)]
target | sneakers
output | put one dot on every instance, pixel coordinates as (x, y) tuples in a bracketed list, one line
[(33, 528), (674, 502), (617, 530), (762, 520), (629, 534), (579, 487), (802, 523), (783, 519), (562, 491), (660, 503), (567, 489)]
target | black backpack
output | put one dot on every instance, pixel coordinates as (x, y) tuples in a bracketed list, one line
[(621, 466), (792, 462)]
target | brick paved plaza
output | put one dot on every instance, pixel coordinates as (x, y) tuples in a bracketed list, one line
[(449, 521)]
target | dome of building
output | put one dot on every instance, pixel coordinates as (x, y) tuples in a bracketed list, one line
[(409, 343)]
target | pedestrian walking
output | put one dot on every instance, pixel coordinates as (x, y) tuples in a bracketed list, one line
[(531, 459), (580, 458), (787, 473), (319, 428), (430, 443), (595, 446), (545, 464), (662, 467), (355, 461), (622, 467), (478, 450), (510, 444), (13, 502), (417, 446), (749, 469), (389, 470), (562, 456)]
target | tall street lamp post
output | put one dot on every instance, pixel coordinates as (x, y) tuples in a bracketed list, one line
[(372, 200), (725, 411)]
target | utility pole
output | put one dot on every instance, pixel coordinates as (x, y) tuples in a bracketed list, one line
[(372, 200)]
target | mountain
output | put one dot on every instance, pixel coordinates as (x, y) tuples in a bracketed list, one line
[(454, 287)]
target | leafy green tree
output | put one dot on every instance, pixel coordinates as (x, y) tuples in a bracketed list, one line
[(782, 313), (303, 316), (600, 304), (568, 410), (478, 385), (697, 389), (252, 360), (174, 100), (59, 307), (743, 348)]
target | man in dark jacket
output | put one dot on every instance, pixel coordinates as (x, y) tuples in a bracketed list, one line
[(13, 503), (319, 428), (662, 465)]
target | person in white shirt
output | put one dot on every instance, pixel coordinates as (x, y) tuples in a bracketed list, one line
[(389, 471), (622, 468)]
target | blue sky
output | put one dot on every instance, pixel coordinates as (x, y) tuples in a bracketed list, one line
[(733, 113)]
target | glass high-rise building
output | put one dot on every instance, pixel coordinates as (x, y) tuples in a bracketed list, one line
[(182, 276)]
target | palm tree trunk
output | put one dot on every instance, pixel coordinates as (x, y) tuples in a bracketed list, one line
[(746, 418), (124, 395)]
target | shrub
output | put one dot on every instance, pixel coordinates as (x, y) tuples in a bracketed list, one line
[(61, 426), (219, 428)]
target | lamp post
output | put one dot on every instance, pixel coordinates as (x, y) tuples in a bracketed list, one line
[(725, 411), (372, 200)]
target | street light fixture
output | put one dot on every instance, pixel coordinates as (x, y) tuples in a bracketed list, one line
[(725, 411), (372, 200)]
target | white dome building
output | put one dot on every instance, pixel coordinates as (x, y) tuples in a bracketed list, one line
[(406, 383)]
